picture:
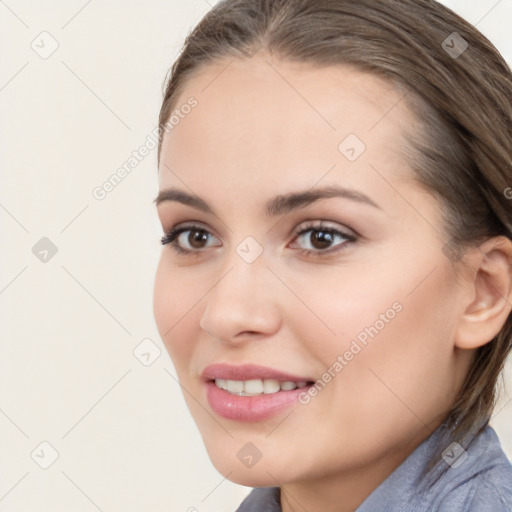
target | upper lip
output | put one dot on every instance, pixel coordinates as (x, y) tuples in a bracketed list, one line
[(248, 372)]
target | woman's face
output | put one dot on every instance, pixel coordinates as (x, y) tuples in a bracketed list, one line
[(365, 305)]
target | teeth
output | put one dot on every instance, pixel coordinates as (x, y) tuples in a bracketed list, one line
[(235, 386), (270, 386), (255, 387), (221, 383), (288, 385)]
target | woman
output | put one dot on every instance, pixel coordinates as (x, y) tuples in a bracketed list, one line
[(335, 287)]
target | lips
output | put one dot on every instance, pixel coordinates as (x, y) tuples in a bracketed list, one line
[(228, 396), (249, 372)]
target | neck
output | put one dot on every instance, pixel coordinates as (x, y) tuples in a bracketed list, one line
[(347, 490)]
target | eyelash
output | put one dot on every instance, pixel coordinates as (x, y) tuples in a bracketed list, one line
[(171, 238)]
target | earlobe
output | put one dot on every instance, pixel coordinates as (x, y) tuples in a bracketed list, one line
[(491, 286)]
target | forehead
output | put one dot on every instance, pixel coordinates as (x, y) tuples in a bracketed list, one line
[(271, 120)]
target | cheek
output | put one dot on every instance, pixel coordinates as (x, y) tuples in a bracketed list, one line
[(423, 359), (173, 303), (393, 337), (342, 309), (384, 335)]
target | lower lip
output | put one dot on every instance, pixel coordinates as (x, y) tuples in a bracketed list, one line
[(249, 408)]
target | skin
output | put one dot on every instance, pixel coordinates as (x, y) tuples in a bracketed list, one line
[(265, 127)]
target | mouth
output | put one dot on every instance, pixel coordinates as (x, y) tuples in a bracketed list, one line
[(256, 387), (251, 393)]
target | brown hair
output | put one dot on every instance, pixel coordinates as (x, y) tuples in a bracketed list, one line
[(462, 99)]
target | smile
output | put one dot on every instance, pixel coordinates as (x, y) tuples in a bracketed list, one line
[(250, 393), (255, 387)]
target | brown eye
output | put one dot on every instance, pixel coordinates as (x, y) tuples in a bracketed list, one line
[(320, 239), (197, 237), (187, 239)]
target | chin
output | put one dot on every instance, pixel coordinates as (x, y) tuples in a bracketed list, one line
[(262, 473), (252, 477)]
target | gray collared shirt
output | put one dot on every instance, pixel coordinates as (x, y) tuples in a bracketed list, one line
[(478, 479)]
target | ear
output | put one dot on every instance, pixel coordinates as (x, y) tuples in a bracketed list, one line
[(491, 293)]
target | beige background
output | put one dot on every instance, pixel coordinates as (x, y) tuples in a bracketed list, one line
[(68, 373)]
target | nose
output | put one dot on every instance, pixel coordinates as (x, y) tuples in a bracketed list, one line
[(243, 303)]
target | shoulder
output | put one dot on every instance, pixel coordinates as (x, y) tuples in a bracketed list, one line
[(484, 485), (490, 491)]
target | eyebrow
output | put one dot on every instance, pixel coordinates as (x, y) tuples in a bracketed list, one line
[(278, 205)]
